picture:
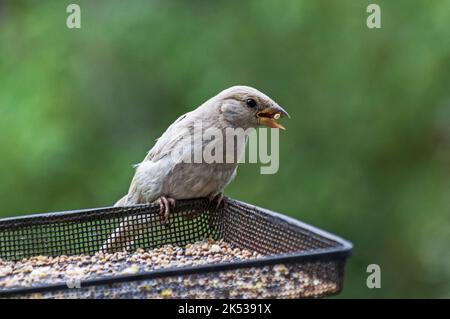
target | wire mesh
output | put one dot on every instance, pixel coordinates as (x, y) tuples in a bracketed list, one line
[(298, 260)]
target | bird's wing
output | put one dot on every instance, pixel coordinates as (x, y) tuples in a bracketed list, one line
[(166, 143), (134, 195), (163, 147)]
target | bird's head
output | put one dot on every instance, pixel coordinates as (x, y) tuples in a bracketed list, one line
[(246, 107)]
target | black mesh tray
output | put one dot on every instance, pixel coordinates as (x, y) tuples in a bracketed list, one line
[(299, 261)]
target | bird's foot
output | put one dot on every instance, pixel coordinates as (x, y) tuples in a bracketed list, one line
[(166, 204), (216, 199)]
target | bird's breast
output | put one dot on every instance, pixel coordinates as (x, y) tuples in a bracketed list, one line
[(191, 180)]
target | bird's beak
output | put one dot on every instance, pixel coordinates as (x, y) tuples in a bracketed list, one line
[(270, 115)]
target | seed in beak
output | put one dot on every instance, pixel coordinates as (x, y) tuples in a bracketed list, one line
[(276, 116)]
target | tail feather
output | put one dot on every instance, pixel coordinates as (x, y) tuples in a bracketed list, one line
[(130, 229), (122, 202)]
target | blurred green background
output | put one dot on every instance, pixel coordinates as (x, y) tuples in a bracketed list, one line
[(366, 154)]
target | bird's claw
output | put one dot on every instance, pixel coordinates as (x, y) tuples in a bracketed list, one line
[(165, 206)]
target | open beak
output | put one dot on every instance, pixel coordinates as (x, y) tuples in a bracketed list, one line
[(270, 115)]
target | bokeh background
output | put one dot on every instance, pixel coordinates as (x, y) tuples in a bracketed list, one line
[(366, 154)]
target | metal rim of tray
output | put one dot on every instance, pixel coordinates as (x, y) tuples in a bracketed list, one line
[(341, 251)]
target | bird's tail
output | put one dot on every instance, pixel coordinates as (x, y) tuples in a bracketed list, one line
[(121, 202), (130, 229), (126, 233)]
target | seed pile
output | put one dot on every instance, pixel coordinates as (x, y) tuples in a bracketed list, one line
[(41, 270), (278, 281)]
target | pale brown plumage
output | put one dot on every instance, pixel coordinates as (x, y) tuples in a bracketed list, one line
[(163, 176)]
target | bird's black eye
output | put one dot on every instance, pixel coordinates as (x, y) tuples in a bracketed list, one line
[(251, 103)]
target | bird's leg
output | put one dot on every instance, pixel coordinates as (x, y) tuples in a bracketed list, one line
[(216, 199), (165, 206)]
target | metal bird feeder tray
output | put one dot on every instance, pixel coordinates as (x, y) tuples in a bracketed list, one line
[(287, 259)]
